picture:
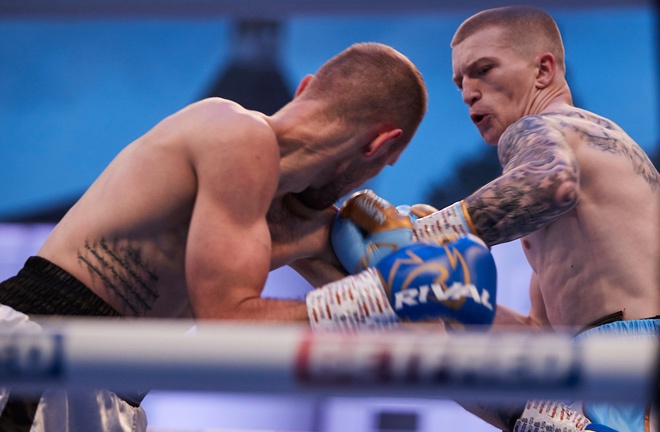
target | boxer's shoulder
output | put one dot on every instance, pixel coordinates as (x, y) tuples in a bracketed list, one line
[(220, 133), (217, 120)]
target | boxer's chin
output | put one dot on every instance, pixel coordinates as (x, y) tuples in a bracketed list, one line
[(316, 199)]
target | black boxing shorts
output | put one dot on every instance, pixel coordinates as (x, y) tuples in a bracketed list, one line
[(42, 288)]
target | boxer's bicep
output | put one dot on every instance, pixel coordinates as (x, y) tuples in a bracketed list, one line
[(318, 271), (227, 268), (228, 247), (226, 262)]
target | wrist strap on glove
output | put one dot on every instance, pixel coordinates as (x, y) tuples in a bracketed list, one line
[(450, 221), (551, 416), (357, 302)]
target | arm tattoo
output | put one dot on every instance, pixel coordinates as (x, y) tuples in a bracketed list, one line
[(123, 274), (539, 183)]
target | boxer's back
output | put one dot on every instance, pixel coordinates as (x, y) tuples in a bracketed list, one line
[(126, 237)]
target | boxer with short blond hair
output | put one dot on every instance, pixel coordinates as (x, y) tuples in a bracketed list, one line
[(187, 220), (581, 195)]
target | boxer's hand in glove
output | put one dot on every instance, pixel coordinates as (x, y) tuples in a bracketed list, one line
[(366, 229), (455, 282)]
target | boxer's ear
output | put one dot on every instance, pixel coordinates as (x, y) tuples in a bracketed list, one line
[(547, 69), (303, 84), (382, 141)]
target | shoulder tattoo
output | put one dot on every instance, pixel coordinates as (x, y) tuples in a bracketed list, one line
[(617, 142), (539, 183)]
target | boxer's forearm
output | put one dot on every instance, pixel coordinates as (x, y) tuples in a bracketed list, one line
[(318, 272), (256, 309), (297, 232), (282, 255), (312, 246), (508, 318), (505, 210)]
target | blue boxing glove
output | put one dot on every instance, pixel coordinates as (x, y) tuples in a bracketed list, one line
[(455, 282), (366, 229)]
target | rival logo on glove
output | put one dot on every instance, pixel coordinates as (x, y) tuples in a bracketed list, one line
[(452, 296), (456, 293), (456, 280)]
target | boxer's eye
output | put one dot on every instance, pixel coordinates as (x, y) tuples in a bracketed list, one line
[(484, 70)]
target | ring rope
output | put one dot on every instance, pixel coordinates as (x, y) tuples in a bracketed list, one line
[(268, 358)]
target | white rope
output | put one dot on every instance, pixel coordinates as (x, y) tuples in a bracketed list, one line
[(239, 357)]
